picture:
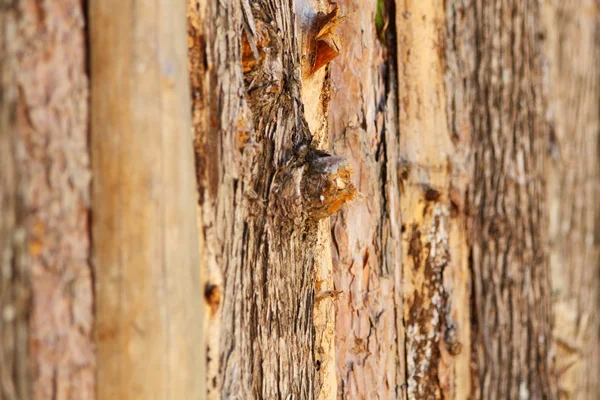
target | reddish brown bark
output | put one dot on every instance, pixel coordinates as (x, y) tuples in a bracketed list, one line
[(48, 242)]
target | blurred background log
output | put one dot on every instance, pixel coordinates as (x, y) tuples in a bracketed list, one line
[(149, 308), (46, 292)]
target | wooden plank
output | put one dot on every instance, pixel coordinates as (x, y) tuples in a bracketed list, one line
[(146, 256)]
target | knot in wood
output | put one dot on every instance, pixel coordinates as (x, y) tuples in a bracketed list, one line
[(313, 188), (453, 345), (326, 184)]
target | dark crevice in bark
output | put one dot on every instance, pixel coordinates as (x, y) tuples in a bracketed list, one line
[(388, 75)]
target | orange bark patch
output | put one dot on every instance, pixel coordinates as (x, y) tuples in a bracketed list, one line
[(328, 45)]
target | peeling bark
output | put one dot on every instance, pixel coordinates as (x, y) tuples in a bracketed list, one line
[(440, 275), (366, 235)]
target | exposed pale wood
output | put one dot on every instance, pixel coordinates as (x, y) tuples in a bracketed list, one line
[(149, 306), (432, 169), (455, 143), (572, 48), (460, 56), (315, 94), (45, 285)]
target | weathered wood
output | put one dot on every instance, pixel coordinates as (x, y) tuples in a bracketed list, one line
[(264, 192), (439, 108), (315, 95), (460, 55), (572, 50), (149, 306), (45, 284), (431, 169)]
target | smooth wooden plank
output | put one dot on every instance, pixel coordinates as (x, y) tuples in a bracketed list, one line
[(146, 256)]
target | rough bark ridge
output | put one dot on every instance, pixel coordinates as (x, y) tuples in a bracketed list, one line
[(366, 235), (48, 228), (572, 47), (511, 290), (263, 187)]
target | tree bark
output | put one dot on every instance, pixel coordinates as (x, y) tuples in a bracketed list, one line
[(15, 287), (149, 331), (366, 235), (466, 265), (512, 328), (441, 271), (259, 120), (408, 273), (46, 294)]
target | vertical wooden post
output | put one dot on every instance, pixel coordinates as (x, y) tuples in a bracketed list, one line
[(573, 201), (146, 257)]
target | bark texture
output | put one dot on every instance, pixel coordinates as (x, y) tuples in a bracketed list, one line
[(264, 188), (572, 47), (431, 169), (366, 235), (467, 265), (403, 324), (45, 286), (148, 290), (441, 268), (512, 318)]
